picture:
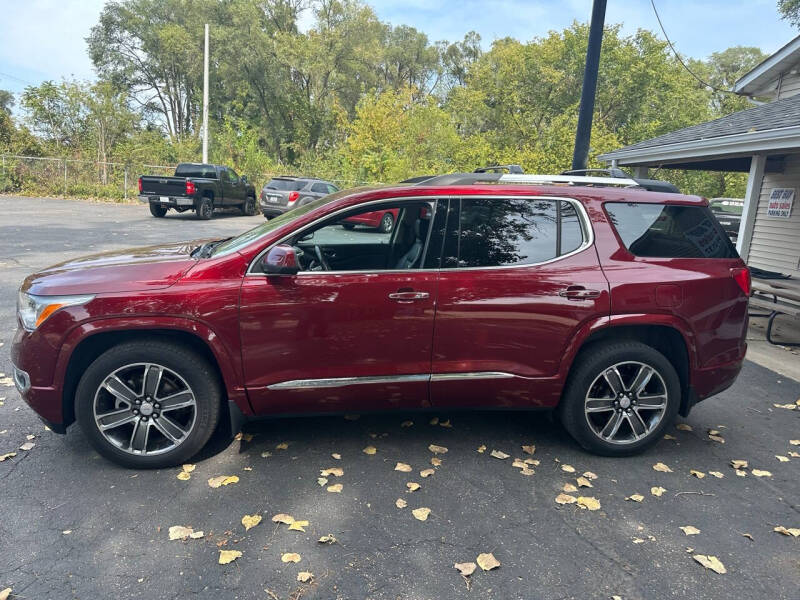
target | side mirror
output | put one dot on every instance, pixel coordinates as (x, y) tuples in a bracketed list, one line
[(244, 178), (280, 260)]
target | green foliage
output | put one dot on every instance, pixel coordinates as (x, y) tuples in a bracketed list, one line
[(790, 10)]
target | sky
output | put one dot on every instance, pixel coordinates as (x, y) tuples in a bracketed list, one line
[(45, 39)]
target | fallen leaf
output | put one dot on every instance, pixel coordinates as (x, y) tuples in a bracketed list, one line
[(413, 486), (336, 488), (683, 427), (298, 525), (250, 521), (794, 442), (487, 561), (786, 406), (283, 518), (184, 476), (436, 462), (689, 530), (782, 458), (713, 432), (526, 471), (7, 456), (370, 450), (588, 502), (583, 482), (400, 503), (228, 556), (710, 562), (698, 474), (336, 456), (335, 471), (406, 423), (635, 497), (305, 576), (760, 473), (529, 449), (716, 438), (266, 454), (519, 464), (749, 537), (590, 475), (421, 514), (4, 594), (437, 449), (282, 446), (434, 421), (741, 473), (716, 474), (27, 446), (292, 557), (322, 481), (792, 531), (568, 468), (445, 424), (179, 532), (247, 437), (662, 468), (739, 464), (405, 468), (327, 539), (657, 491), (638, 541), (196, 535), (565, 499), (481, 449), (794, 454), (466, 569), (66, 531), (568, 487), (426, 472), (216, 482)]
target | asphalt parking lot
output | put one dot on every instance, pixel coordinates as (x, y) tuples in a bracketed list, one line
[(75, 526)]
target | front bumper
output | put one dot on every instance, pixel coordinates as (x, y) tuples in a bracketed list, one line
[(169, 201)]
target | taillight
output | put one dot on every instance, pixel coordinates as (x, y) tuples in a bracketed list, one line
[(293, 196), (140, 185), (190, 189), (742, 277)]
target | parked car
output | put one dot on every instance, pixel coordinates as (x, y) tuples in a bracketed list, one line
[(286, 192), (380, 220), (198, 187), (728, 212), (619, 308)]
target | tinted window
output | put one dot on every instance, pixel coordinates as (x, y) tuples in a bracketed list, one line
[(232, 176), (671, 231), (320, 188), (189, 170), (332, 189), (492, 232), (286, 185)]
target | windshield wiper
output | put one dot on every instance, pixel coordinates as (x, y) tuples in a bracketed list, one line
[(206, 249)]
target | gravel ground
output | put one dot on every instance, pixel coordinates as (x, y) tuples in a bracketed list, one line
[(76, 526)]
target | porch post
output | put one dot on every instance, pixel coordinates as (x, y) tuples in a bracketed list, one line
[(751, 195)]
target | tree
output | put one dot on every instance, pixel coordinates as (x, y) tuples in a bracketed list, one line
[(722, 70), (6, 101), (790, 10), (56, 112)]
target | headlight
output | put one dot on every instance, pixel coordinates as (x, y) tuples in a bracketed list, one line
[(34, 310)]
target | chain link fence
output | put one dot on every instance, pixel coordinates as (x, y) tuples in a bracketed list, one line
[(50, 176)]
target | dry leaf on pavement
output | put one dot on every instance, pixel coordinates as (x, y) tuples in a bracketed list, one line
[(739, 464), (657, 491), (188, 468), (436, 462), (413, 486), (487, 561), (698, 474), (590, 475), (466, 569), (565, 499), (282, 446), (583, 482), (400, 503), (27, 446), (445, 424), (179, 532), (782, 458), (370, 450), (7, 456), (283, 518), (794, 442), (426, 472), (481, 449), (336, 488), (216, 482), (792, 531), (299, 526), (305, 576), (683, 427), (437, 449), (405, 468), (336, 456), (662, 468), (184, 476), (327, 539), (569, 487), (227, 556), (499, 454), (4, 594), (760, 473), (710, 562), (529, 449), (689, 530), (292, 557), (716, 438), (421, 514), (434, 421), (250, 521), (588, 502), (716, 474), (322, 481), (568, 468), (406, 423), (635, 497), (335, 471)]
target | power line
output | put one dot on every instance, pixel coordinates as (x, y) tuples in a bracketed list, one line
[(680, 60), (15, 78)]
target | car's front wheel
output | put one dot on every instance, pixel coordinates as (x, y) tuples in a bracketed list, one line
[(249, 208), (148, 404), (620, 397)]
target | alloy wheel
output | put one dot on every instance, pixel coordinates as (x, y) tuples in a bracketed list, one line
[(626, 402), (145, 409)]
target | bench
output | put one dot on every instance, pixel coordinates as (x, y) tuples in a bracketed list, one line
[(785, 300)]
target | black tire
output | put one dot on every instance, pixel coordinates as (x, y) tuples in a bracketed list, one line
[(387, 223), (157, 210), (588, 368), (200, 376), (205, 209), (249, 208), (348, 226)]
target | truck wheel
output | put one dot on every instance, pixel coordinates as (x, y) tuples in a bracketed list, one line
[(157, 210), (205, 209), (148, 404), (249, 208), (620, 397)]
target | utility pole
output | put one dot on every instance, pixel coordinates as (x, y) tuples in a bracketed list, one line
[(584, 132), (205, 100)]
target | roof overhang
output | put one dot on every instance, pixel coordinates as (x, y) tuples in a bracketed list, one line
[(759, 80), (771, 141)]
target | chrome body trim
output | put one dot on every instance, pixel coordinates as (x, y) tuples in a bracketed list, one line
[(335, 382), (471, 376)]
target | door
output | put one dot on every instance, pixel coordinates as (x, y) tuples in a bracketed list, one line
[(353, 330), (232, 187), (519, 276)]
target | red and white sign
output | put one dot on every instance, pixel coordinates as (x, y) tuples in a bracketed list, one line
[(780, 203)]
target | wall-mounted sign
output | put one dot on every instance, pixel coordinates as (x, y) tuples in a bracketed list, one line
[(780, 203)]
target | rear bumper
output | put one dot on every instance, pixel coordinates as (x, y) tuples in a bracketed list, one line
[(710, 382), (168, 201), (272, 210)]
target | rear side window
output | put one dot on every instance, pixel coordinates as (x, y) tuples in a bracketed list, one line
[(497, 232), (285, 185), (320, 188), (669, 231)]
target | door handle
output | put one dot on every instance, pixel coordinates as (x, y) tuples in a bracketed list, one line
[(578, 292), (408, 296)]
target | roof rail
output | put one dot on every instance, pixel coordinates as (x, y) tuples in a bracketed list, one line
[(477, 178), (516, 169)]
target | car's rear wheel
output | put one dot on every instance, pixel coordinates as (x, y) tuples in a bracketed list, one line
[(250, 208), (148, 404), (387, 223), (620, 397), (157, 210), (205, 209)]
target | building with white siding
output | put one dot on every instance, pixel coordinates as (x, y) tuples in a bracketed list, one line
[(763, 141)]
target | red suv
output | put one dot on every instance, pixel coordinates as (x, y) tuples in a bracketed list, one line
[(616, 306)]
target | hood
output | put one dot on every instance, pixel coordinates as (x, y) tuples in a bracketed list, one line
[(133, 270)]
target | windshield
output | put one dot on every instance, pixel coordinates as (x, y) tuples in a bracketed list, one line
[(240, 241), (285, 185)]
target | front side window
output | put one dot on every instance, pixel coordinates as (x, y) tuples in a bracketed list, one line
[(669, 231), (497, 232), (232, 176), (338, 245)]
